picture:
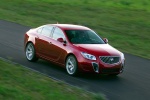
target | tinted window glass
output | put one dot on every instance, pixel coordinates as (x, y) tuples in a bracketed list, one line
[(39, 30), (83, 37), (47, 31), (58, 33)]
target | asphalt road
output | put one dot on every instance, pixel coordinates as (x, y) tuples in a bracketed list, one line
[(133, 84)]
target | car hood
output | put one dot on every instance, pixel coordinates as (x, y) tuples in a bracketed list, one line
[(98, 49)]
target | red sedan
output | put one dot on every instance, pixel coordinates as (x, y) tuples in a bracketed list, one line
[(76, 48)]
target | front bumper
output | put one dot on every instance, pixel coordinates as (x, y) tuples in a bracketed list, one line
[(100, 67)]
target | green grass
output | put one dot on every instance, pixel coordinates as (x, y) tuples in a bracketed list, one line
[(18, 83), (124, 22)]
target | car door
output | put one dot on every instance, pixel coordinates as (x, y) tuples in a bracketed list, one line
[(58, 48), (44, 42)]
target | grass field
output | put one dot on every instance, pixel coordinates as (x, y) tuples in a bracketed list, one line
[(124, 22), (18, 83)]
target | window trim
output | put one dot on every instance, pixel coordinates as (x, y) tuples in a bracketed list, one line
[(50, 35), (54, 31), (39, 28)]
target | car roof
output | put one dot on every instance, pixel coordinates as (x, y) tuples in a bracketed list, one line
[(70, 26)]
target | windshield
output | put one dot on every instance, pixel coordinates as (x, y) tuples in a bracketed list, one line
[(83, 37)]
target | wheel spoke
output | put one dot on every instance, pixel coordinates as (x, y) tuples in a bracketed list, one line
[(70, 62), (30, 55), (71, 66), (71, 69), (29, 52)]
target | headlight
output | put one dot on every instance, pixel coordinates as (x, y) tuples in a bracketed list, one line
[(88, 56)]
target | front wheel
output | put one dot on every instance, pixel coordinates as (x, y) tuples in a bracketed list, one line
[(71, 65), (30, 52)]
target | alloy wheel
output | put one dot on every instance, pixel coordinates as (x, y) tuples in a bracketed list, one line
[(71, 65), (30, 52)]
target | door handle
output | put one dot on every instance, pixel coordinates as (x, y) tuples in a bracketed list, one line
[(50, 42)]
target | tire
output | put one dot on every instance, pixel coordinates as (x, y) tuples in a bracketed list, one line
[(71, 65), (30, 52)]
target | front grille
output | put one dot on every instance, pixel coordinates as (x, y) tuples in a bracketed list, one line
[(110, 59), (111, 70)]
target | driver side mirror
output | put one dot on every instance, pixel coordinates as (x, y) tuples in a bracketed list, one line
[(61, 40), (105, 40)]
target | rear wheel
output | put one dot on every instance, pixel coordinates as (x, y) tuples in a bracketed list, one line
[(30, 52), (71, 65)]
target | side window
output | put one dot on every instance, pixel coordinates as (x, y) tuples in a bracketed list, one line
[(58, 33), (47, 31), (39, 30)]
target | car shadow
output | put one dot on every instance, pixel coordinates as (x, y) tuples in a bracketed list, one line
[(99, 77), (86, 76)]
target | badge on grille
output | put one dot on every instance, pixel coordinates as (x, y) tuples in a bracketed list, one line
[(111, 59)]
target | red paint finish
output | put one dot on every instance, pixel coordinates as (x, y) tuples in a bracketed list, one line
[(54, 49)]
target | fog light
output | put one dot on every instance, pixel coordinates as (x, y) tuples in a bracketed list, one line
[(95, 67)]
